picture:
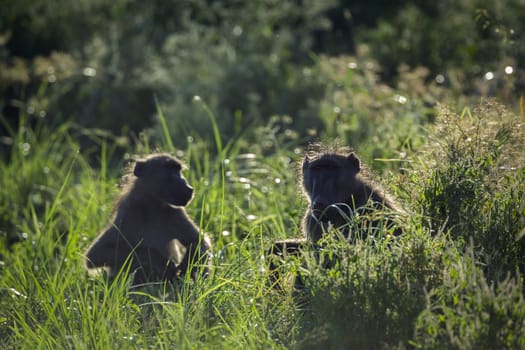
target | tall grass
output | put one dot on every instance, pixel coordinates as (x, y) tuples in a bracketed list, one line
[(453, 280)]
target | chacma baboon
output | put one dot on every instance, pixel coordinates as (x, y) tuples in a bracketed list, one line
[(151, 230), (337, 193)]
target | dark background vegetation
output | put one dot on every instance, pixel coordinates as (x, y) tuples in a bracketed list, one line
[(104, 64)]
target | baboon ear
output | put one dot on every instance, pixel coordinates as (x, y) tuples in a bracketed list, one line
[(353, 162), (139, 168)]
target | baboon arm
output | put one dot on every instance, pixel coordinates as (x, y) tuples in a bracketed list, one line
[(107, 249), (314, 228), (198, 253), (170, 246), (176, 251), (186, 232)]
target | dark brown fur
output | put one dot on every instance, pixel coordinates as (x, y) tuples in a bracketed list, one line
[(336, 192), (151, 229)]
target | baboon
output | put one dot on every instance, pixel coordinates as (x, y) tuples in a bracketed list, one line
[(336, 192), (151, 230)]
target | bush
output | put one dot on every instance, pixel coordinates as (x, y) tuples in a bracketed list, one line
[(247, 61), (467, 312), (381, 122), (475, 185), (374, 294)]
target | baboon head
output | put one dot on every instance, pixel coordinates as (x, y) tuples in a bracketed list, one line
[(329, 183), (160, 177)]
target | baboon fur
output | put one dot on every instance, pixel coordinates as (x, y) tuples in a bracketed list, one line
[(151, 230), (336, 190)]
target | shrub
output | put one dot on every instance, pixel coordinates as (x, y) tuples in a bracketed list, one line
[(373, 295), (474, 186), (248, 61), (467, 312)]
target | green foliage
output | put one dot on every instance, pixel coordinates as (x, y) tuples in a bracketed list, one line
[(104, 65), (449, 289), (481, 36), (384, 123), (248, 61), (236, 93), (467, 312), (474, 187), (40, 166), (373, 295), (250, 65)]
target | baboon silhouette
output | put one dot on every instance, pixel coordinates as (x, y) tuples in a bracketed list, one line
[(337, 193), (151, 230)]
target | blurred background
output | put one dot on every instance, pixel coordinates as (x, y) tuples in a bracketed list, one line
[(313, 69)]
